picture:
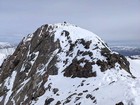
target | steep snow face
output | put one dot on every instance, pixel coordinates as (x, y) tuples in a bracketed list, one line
[(62, 64)]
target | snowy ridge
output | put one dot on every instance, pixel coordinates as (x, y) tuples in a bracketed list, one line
[(62, 64), (76, 33)]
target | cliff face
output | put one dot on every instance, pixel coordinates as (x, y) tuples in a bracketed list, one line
[(63, 64)]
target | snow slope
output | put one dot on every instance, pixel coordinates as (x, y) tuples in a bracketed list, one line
[(135, 66), (2, 57)]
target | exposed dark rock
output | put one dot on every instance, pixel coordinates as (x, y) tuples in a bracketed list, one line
[(80, 94), (78, 103), (82, 84), (30, 58), (87, 53), (71, 47), (85, 91), (112, 59), (66, 33), (76, 99), (96, 89), (48, 101), (55, 90), (58, 103), (71, 95), (3, 90), (52, 69), (120, 103), (95, 101), (90, 96), (75, 70), (87, 44), (103, 64), (67, 101), (27, 66)]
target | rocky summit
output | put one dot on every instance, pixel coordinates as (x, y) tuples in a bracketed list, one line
[(62, 64)]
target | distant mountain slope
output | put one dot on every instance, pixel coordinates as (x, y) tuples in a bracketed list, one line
[(127, 50), (5, 45), (5, 50), (62, 64)]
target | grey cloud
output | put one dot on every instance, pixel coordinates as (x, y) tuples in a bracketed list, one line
[(110, 19)]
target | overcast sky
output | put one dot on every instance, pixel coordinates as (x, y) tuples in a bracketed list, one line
[(110, 19)]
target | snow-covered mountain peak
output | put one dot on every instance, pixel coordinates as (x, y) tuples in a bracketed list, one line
[(62, 64), (74, 31), (66, 31)]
